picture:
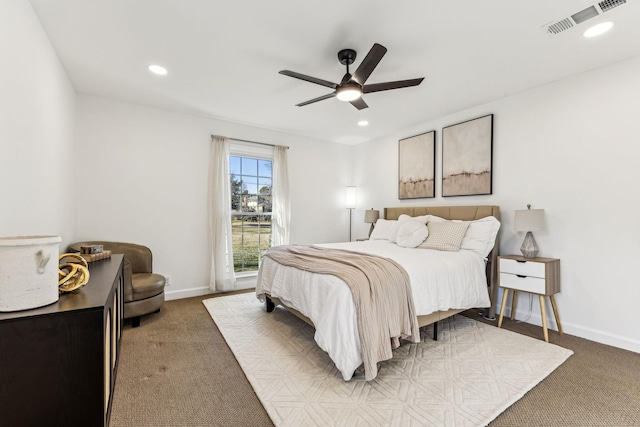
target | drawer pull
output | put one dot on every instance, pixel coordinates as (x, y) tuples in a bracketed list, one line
[(521, 276), (521, 262)]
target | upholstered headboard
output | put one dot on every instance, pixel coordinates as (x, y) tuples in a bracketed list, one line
[(465, 213)]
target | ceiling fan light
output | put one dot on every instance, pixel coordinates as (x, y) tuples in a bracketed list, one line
[(348, 93)]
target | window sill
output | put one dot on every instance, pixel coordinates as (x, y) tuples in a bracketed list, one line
[(246, 280), (244, 274)]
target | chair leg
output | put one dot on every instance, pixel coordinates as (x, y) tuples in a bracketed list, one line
[(135, 321), (157, 311)]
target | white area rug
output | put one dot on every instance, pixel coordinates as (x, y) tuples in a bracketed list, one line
[(466, 378)]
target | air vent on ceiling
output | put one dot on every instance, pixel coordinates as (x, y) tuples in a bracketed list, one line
[(560, 26), (585, 14), (607, 5), (581, 16)]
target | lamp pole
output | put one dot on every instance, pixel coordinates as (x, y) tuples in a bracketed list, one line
[(350, 203), (350, 216)]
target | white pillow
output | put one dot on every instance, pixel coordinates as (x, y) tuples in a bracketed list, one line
[(423, 218), (393, 233), (411, 233), (445, 235), (405, 217), (481, 235), (394, 230), (382, 230)]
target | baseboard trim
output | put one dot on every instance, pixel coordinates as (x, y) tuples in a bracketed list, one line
[(602, 337), (590, 334), (241, 283), (186, 293)]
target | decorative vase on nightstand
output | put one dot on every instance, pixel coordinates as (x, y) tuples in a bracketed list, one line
[(529, 220), (529, 246)]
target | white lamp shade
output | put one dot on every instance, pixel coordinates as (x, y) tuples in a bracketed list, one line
[(530, 220), (371, 216), (350, 198)]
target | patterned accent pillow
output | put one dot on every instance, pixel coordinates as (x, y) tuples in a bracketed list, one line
[(445, 236)]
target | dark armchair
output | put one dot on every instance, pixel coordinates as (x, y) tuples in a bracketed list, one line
[(143, 289)]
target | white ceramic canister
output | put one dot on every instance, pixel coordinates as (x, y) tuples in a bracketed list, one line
[(28, 272)]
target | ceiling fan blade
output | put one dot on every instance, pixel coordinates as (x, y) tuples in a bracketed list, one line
[(320, 98), (369, 63), (359, 103), (309, 79), (377, 87)]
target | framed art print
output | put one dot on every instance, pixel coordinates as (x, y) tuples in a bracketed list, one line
[(416, 168), (467, 157)]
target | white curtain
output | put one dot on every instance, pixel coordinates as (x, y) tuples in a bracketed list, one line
[(281, 206), (222, 276)]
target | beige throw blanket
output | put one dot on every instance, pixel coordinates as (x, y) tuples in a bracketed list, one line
[(381, 294)]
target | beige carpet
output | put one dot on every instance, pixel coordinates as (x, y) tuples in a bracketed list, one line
[(466, 378)]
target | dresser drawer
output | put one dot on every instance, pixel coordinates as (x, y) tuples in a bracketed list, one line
[(522, 268), (535, 285)]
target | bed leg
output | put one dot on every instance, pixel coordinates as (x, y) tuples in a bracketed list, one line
[(269, 305), (435, 331)]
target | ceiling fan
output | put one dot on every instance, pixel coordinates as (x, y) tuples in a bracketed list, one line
[(352, 86)]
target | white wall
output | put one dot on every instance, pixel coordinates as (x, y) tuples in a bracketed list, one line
[(37, 149), (571, 148), (142, 177)]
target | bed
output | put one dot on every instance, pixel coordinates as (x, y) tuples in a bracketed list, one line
[(325, 301)]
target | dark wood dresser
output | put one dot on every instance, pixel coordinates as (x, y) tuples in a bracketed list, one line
[(58, 363)]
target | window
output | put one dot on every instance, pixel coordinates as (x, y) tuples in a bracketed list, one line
[(250, 180)]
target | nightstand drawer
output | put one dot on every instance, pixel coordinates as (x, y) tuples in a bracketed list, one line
[(535, 285), (522, 268)]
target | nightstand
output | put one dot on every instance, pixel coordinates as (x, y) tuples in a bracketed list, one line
[(540, 276)]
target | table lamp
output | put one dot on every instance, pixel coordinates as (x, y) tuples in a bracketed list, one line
[(529, 220), (370, 217)]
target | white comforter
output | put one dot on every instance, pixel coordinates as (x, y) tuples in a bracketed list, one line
[(439, 280)]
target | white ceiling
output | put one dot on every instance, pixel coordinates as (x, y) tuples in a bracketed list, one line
[(223, 57)]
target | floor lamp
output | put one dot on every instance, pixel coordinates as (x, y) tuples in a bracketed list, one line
[(350, 203)]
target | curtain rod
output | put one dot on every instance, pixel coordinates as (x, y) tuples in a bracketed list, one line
[(255, 142)]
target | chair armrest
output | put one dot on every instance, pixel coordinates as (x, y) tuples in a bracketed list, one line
[(139, 256), (128, 285)]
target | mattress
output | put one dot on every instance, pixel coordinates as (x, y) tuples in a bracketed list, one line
[(440, 280)]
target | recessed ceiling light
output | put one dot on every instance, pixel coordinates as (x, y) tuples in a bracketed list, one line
[(598, 29), (157, 69), (363, 123)]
